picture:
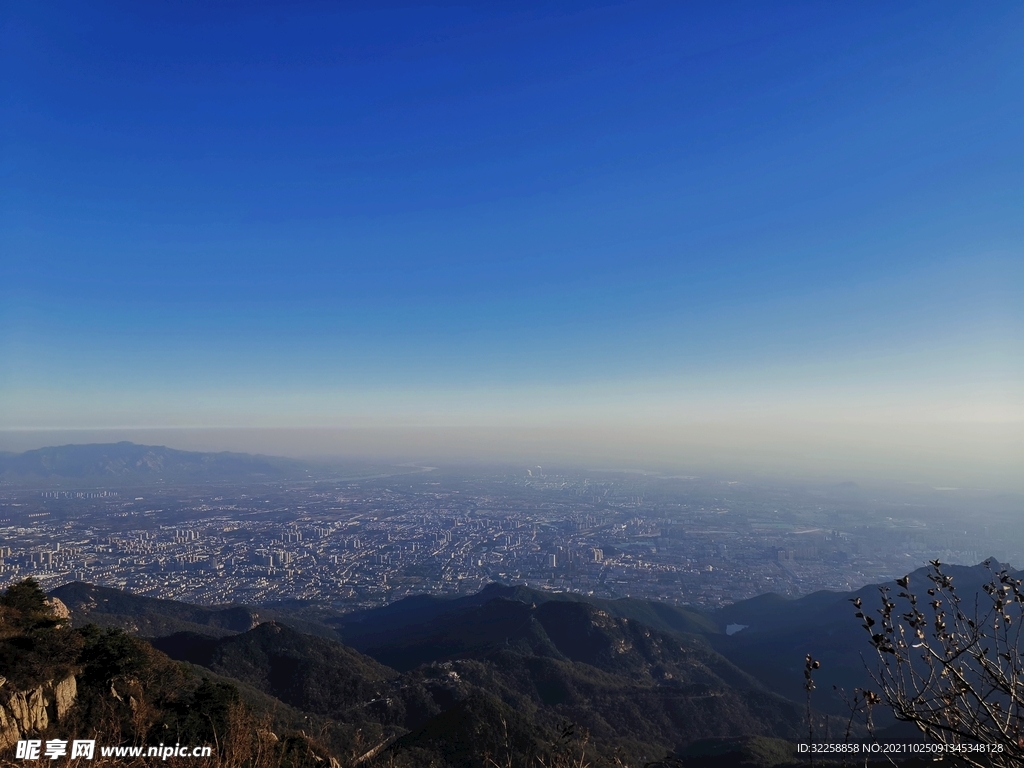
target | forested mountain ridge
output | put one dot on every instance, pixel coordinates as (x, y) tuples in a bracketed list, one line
[(466, 666), (147, 616), (307, 672), (59, 683), (152, 617), (780, 632), (365, 628), (456, 682)]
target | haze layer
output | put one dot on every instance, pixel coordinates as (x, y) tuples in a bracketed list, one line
[(782, 237)]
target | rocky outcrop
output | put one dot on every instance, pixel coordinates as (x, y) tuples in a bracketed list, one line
[(27, 712), (58, 608), (64, 695)]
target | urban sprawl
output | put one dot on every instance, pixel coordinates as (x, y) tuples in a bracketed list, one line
[(357, 543)]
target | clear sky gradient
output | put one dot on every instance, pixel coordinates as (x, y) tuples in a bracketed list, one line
[(744, 222)]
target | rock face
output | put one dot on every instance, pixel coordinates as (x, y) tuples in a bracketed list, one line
[(26, 712), (64, 695), (59, 609)]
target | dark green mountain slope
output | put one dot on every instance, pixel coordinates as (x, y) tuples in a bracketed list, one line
[(150, 617), (645, 690), (584, 633), (472, 632), (659, 696), (478, 726), (560, 629), (772, 612), (749, 752), (634, 675), (781, 632), (311, 673), (119, 690), (648, 718), (642, 690), (365, 629)]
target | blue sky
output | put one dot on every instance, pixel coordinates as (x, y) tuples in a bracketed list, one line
[(321, 214)]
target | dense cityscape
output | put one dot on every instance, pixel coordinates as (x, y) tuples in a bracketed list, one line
[(368, 541)]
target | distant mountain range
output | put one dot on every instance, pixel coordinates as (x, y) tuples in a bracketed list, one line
[(127, 463)]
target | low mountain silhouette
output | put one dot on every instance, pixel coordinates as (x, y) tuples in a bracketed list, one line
[(780, 632), (125, 463)]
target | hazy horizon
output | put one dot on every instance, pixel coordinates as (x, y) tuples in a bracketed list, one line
[(969, 459), (768, 238)]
